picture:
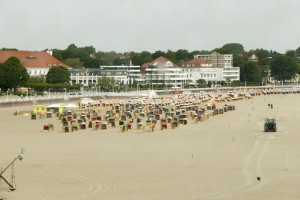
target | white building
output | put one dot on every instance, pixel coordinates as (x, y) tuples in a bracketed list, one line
[(225, 64), (37, 63), (199, 68), (121, 74), (231, 73), (161, 71)]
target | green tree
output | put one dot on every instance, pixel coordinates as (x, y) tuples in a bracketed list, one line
[(222, 50), (36, 79), (9, 49), (201, 83), (265, 61), (141, 58), (108, 57), (234, 48), (252, 72), (262, 54), (74, 62), (284, 68), (136, 59), (89, 62), (69, 52), (291, 53), (12, 74), (170, 55), (182, 55), (196, 52), (58, 75), (239, 61), (146, 56), (298, 52), (157, 54), (117, 61), (57, 54)]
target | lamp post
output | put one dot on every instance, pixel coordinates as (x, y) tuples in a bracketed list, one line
[(65, 96), (49, 93), (7, 94)]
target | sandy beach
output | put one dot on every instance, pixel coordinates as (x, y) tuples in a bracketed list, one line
[(219, 158)]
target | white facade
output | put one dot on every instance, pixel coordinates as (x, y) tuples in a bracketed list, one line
[(231, 73), (121, 74), (37, 71), (225, 63), (174, 77), (206, 73)]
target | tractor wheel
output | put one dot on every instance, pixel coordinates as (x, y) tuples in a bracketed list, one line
[(266, 128), (274, 129)]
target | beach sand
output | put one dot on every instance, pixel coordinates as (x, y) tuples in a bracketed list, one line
[(220, 158)]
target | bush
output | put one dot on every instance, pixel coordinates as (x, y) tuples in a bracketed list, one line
[(21, 94)]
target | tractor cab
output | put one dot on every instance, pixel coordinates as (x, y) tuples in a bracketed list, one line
[(270, 124)]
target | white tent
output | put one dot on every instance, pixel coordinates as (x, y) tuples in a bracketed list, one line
[(86, 100), (55, 106), (152, 94), (70, 106)]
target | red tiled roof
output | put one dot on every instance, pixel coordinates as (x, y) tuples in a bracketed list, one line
[(32, 59), (156, 62), (196, 63)]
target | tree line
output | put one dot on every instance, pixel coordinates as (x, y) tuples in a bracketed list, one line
[(282, 66)]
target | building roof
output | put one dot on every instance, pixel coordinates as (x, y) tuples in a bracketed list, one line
[(32, 59), (196, 63), (253, 58), (159, 62)]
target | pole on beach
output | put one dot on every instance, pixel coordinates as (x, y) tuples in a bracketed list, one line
[(286, 160), (249, 121), (0, 178), (11, 185)]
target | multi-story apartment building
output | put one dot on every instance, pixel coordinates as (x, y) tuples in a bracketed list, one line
[(161, 71), (121, 74), (225, 62), (85, 76), (199, 68), (217, 59)]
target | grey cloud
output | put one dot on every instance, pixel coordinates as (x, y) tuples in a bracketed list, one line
[(125, 25)]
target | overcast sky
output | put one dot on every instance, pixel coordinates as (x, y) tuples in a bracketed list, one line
[(137, 25)]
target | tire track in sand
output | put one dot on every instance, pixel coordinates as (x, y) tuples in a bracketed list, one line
[(248, 185), (93, 186)]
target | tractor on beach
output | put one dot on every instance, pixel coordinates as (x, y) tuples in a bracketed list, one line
[(270, 125)]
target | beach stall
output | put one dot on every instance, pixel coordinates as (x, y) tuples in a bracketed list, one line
[(39, 109), (33, 116), (55, 108)]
